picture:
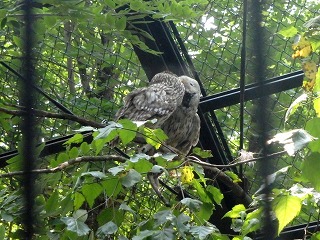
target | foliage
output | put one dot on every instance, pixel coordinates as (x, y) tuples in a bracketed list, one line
[(114, 199)]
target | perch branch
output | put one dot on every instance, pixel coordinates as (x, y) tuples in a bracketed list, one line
[(67, 164)]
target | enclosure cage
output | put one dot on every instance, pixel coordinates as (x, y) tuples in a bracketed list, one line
[(86, 68)]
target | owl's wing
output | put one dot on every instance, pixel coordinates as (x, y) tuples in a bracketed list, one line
[(156, 101)]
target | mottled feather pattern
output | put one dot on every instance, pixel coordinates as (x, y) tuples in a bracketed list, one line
[(183, 126), (158, 100)]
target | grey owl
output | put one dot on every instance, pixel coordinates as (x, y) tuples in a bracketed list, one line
[(159, 100), (183, 125)]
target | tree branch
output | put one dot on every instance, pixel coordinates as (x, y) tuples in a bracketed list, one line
[(67, 164), (64, 116)]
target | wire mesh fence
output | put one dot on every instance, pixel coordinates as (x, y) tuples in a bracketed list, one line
[(90, 73)]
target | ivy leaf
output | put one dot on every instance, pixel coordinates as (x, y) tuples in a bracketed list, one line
[(235, 212), (91, 192), (193, 204), (293, 107), (131, 178), (286, 208), (107, 229), (75, 225), (163, 217), (292, 141), (310, 169), (201, 232)]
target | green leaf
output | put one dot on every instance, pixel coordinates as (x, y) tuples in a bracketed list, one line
[(136, 157), (201, 232), (131, 178), (233, 176), (77, 138), (96, 174), (164, 234), (98, 145), (181, 222), (73, 152), (288, 32), (62, 157), (216, 194), (162, 217), (143, 166), (2, 232), (107, 229), (3, 13), (252, 222), (235, 212), (201, 191), (121, 23), (78, 200), (75, 225), (91, 192), (313, 127), (205, 212), (155, 137), (316, 105), (128, 131), (286, 208), (115, 170), (202, 153), (52, 204), (108, 132), (310, 169), (193, 204), (143, 234), (81, 215), (125, 207), (84, 148), (18, 41)]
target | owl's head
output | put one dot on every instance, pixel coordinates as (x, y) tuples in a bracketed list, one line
[(192, 93), (191, 85)]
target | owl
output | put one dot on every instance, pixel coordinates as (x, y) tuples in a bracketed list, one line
[(183, 125), (157, 101)]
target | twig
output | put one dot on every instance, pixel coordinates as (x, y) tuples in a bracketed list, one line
[(67, 164), (65, 116)]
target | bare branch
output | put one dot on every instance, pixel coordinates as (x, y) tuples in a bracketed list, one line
[(67, 164), (64, 116)]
